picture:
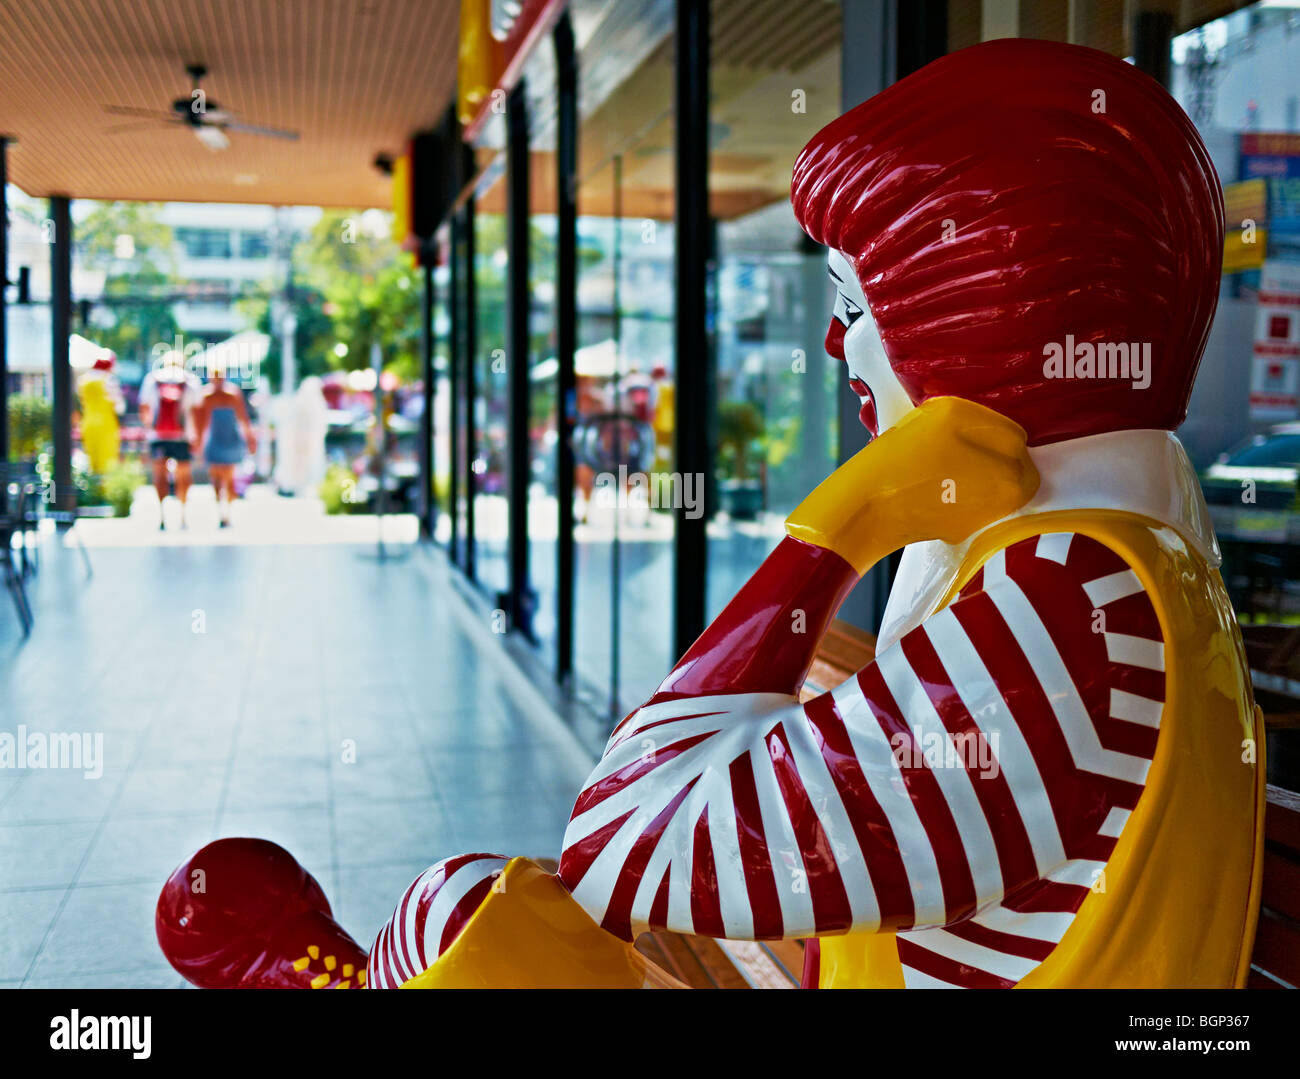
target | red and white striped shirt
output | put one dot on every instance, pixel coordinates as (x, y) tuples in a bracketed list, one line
[(965, 789)]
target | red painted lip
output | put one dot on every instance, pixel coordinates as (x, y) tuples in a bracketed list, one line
[(867, 413)]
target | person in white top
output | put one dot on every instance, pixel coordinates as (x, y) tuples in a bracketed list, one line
[(167, 398)]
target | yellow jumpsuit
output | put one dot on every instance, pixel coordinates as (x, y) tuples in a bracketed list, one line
[(99, 426)]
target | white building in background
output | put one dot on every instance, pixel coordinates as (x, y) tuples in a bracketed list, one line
[(1253, 84), (223, 250)]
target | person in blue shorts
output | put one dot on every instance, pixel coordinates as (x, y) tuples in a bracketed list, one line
[(225, 436)]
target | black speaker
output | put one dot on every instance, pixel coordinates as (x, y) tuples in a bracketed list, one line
[(428, 185)]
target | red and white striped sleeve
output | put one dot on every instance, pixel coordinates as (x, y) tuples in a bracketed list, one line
[(429, 917), (982, 767)]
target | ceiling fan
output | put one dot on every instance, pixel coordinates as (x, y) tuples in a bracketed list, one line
[(203, 116)]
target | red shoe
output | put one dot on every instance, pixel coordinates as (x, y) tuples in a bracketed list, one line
[(243, 914)]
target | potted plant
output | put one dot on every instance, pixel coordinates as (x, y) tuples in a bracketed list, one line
[(92, 499), (121, 484), (740, 430), (30, 427)]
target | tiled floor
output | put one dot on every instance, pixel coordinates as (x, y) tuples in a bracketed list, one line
[(310, 655)]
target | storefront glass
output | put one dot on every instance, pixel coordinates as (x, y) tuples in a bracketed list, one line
[(1235, 79), (441, 443), (775, 424), (491, 402), (543, 509), (625, 370)]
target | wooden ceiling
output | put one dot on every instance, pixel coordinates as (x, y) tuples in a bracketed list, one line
[(1100, 24), (773, 86), (354, 77)]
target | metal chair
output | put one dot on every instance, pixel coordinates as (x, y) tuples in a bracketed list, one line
[(13, 523)]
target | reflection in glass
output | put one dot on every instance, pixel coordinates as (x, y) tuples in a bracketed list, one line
[(491, 403)]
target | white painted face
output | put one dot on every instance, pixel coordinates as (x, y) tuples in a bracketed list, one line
[(853, 338)]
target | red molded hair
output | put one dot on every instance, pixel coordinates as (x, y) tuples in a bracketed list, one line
[(1010, 194)]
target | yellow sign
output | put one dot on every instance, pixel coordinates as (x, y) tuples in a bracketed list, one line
[(480, 59), (1241, 253), (402, 199), (1245, 211), (1245, 201)]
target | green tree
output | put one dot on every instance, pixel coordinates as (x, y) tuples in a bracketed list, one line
[(100, 232), (136, 251), (369, 292), (313, 339), (139, 324)]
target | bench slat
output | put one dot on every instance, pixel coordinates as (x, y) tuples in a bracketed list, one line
[(717, 962), (677, 959), (1281, 892), (1277, 947), (843, 650), (1259, 980), (1282, 819), (789, 954), (698, 962), (761, 970)]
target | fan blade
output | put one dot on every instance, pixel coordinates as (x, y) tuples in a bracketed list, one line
[(133, 125), (253, 129), (131, 110)]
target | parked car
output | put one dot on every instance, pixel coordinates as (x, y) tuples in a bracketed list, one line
[(1271, 460)]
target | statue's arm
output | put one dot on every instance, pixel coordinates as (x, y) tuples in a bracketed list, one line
[(766, 638), (945, 470), (998, 747)]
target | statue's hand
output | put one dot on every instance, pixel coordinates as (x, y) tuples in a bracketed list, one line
[(945, 470)]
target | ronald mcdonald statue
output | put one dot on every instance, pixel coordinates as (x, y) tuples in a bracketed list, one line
[(1050, 774)]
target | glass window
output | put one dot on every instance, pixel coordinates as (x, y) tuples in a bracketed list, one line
[(442, 403), (488, 460), (205, 243), (542, 389), (460, 244), (776, 429), (1234, 76), (625, 482), (254, 245)]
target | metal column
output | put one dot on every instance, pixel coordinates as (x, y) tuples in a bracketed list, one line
[(694, 417), (1153, 36), (518, 309), (428, 503), (65, 496), (469, 373), (922, 35), (566, 333), (457, 465)]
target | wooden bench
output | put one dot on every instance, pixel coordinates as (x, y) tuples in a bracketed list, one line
[(1275, 962), (703, 963)]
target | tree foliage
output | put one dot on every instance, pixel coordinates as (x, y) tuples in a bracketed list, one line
[(139, 275), (370, 292)]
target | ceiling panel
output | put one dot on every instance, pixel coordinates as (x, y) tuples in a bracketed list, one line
[(354, 77)]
